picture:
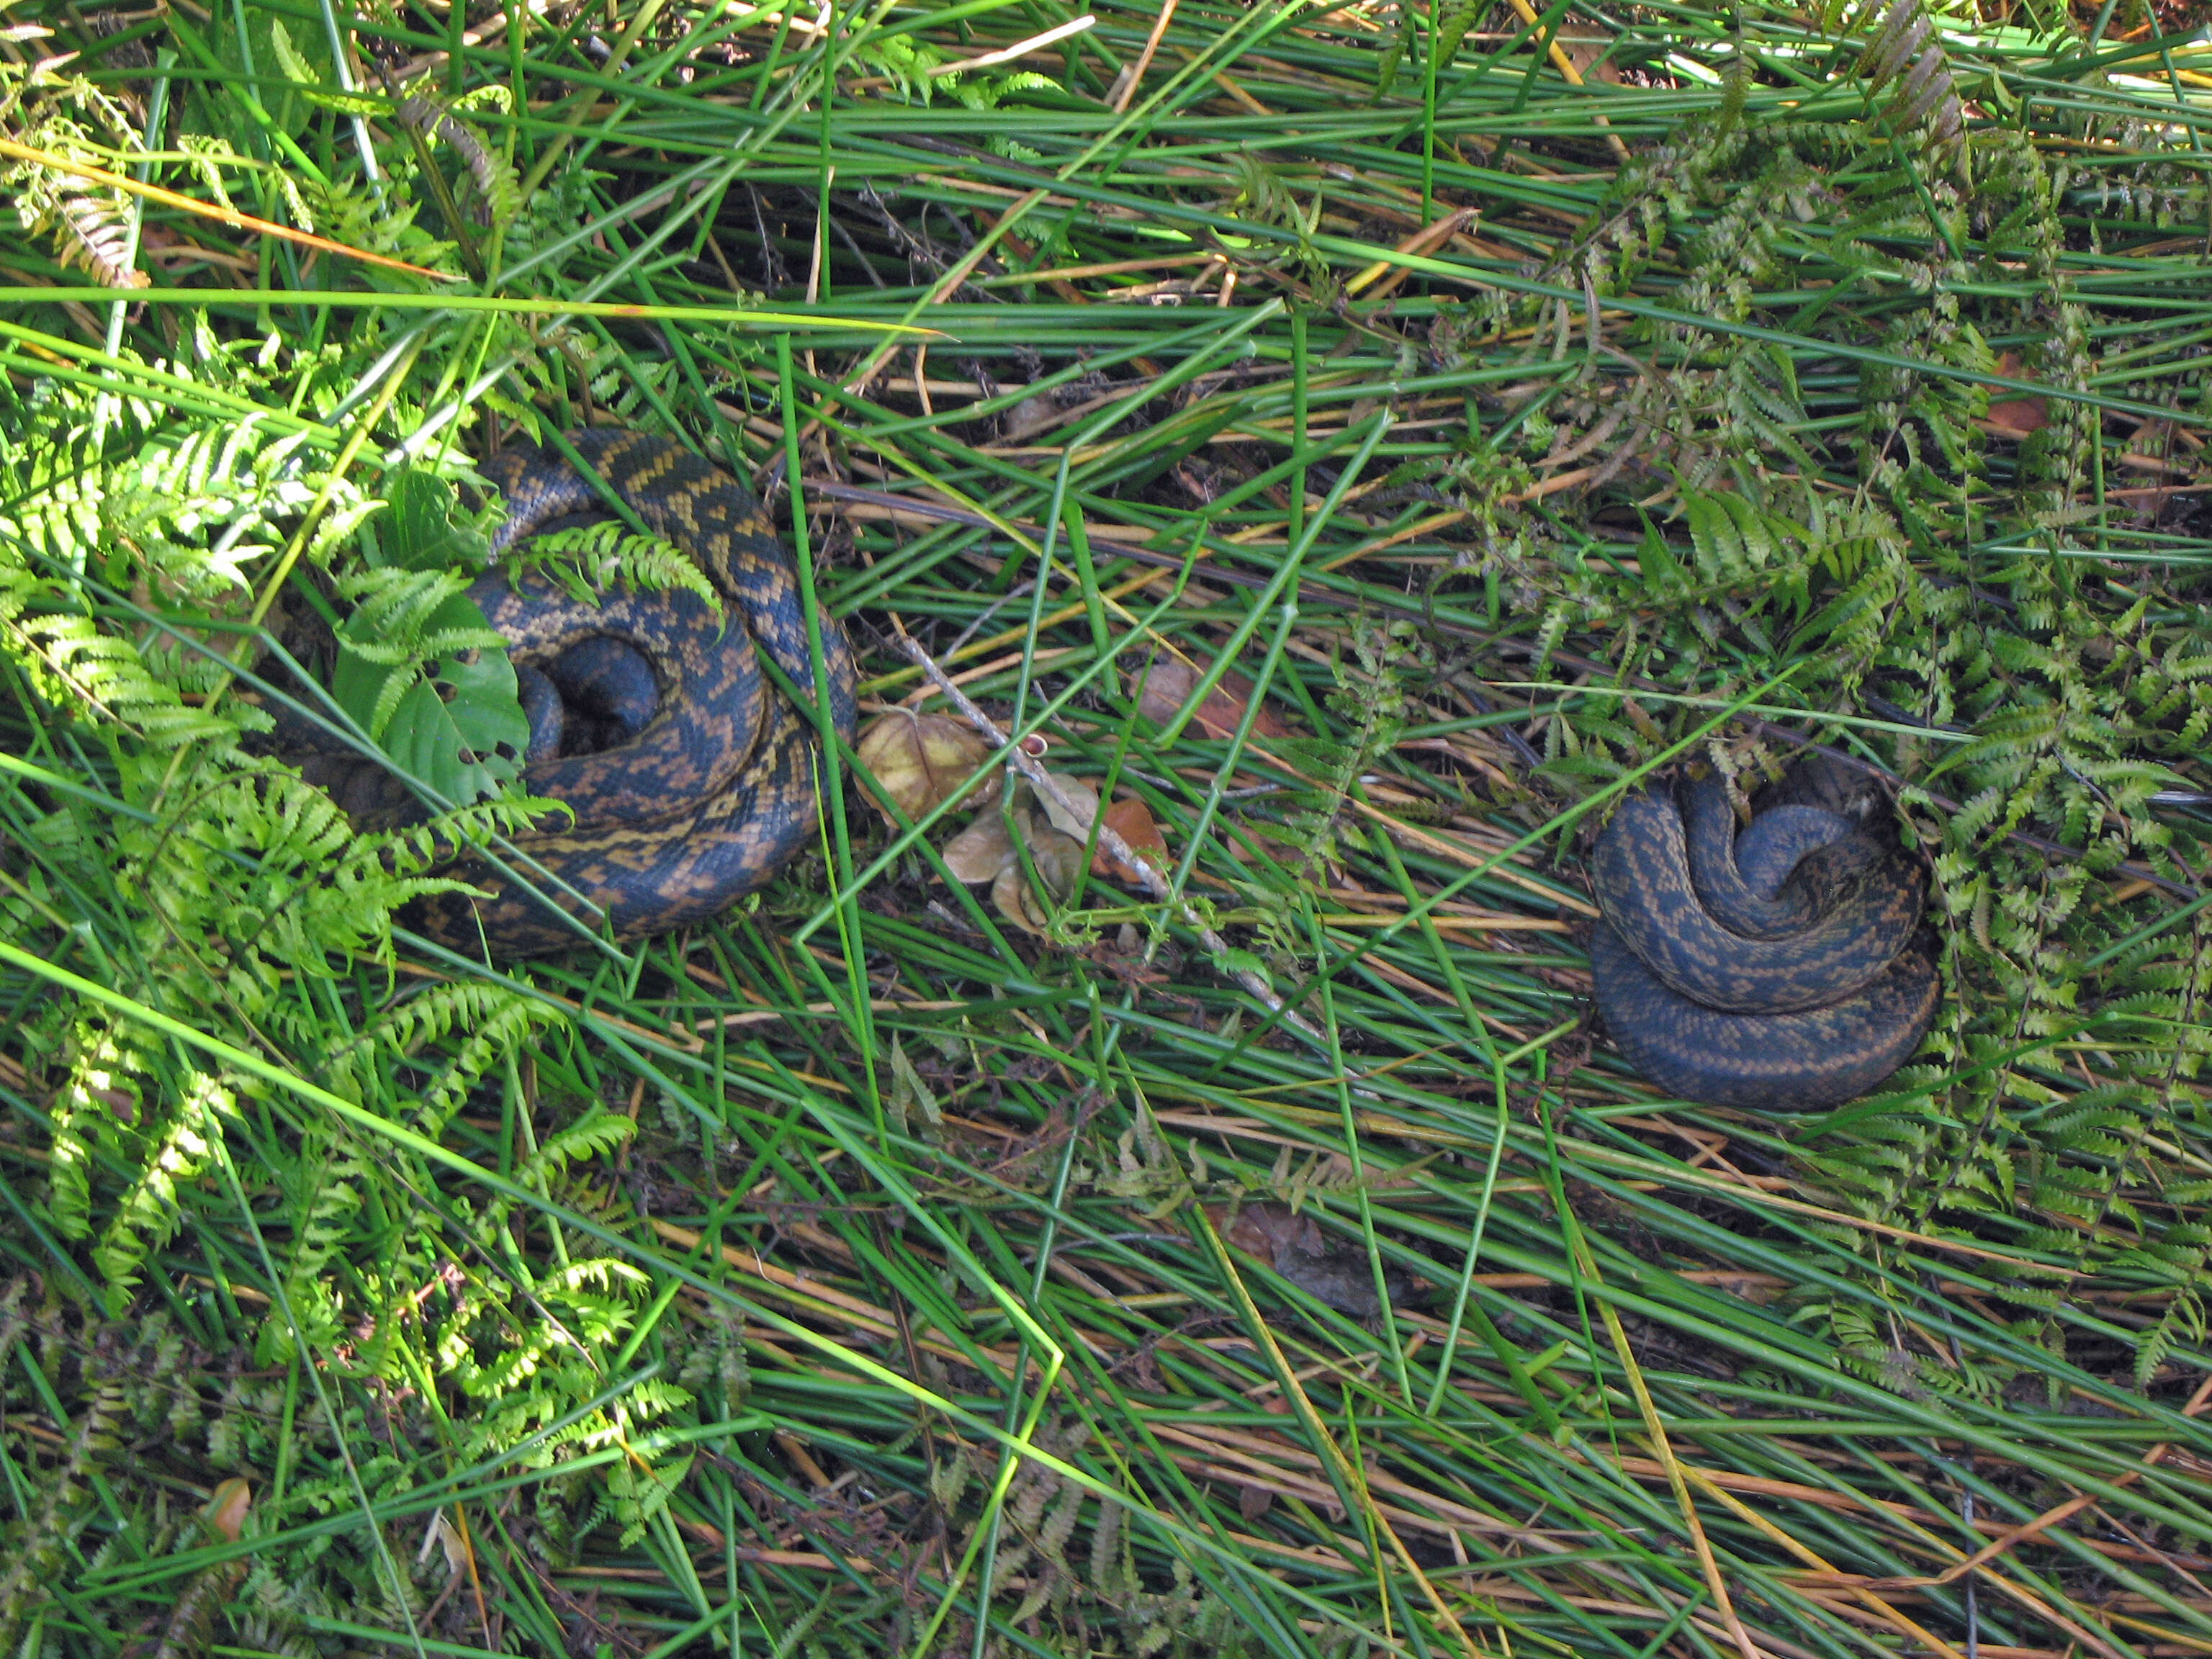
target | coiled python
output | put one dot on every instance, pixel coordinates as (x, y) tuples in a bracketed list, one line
[(690, 777), (1781, 969)]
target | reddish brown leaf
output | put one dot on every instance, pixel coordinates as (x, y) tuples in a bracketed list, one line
[(1131, 820), (2017, 417), (226, 1508), (1166, 686)]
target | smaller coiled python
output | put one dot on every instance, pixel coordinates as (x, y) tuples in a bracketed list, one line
[(1784, 969), (690, 777)]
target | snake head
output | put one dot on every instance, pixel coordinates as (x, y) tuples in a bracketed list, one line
[(1831, 785), (1828, 875)]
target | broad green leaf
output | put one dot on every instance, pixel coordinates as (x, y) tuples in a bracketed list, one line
[(422, 529), (462, 730), (273, 69), (455, 720)]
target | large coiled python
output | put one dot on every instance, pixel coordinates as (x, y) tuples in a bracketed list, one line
[(691, 778), (1784, 969)]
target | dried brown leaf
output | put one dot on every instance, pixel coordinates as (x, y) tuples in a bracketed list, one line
[(1081, 796), (2017, 415), (984, 852), (1337, 1276), (1058, 858), (1266, 1230), (227, 1507), (1166, 686), (1011, 894), (981, 851)]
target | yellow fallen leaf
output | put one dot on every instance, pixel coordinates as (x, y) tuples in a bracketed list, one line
[(920, 761)]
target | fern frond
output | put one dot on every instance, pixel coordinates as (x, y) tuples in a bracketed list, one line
[(594, 558), (60, 120), (500, 1028), (2183, 1320), (323, 1189), (598, 1133), (392, 607), (1904, 50), (1395, 50), (101, 235), (149, 1215)]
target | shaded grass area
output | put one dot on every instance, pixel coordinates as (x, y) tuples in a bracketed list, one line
[(1370, 458)]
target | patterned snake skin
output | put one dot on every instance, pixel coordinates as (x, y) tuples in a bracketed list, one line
[(1783, 969), (709, 786)]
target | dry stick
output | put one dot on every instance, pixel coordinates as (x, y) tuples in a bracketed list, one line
[(1051, 37), (1135, 74), (1108, 839), (1423, 240)]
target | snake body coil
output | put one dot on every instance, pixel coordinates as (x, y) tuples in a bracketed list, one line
[(705, 784), (1783, 969)]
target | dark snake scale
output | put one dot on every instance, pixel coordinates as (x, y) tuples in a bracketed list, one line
[(1784, 969), (705, 785)]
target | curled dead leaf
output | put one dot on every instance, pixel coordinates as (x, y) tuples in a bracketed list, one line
[(1266, 1230), (984, 852), (1072, 816), (981, 851), (1337, 1276), (225, 1513), (1011, 894), (920, 761), (1058, 858)]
